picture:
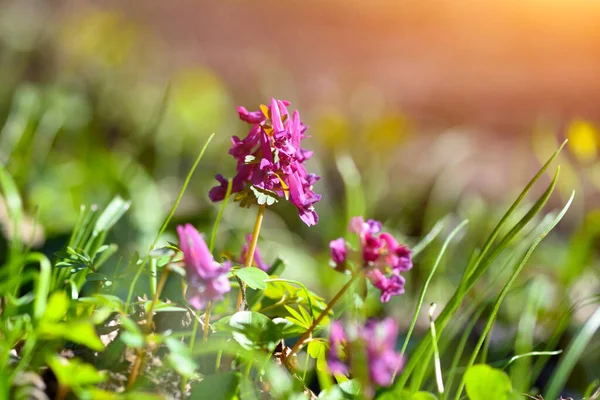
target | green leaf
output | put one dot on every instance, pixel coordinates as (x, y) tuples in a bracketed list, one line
[(77, 332), (73, 372), (264, 196), (132, 339), (315, 347), (251, 330), (179, 358), (351, 387), (484, 383), (253, 277), (423, 396), (111, 214), (406, 395), (297, 318), (217, 387), (57, 307)]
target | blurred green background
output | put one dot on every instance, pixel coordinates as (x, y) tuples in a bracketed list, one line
[(419, 113)]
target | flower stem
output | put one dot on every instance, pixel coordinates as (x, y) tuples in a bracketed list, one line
[(241, 300), (316, 322), (207, 320), (141, 354), (184, 380), (159, 288)]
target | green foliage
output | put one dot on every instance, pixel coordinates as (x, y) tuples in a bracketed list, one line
[(255, 331), (253, 277), (84, 314), (484, 382), (218, 387)]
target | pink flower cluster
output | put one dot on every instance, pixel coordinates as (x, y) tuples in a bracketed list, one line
[(379, 339), (382, 257), (270, 158)]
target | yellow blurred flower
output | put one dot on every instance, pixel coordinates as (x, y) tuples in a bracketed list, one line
[(583, 140)]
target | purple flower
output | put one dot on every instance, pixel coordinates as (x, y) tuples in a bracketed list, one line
[(361, 228), (379, 339), (336, 357), (270, 158), (382, 257), (338, 253), (207, 279), (397, 255), (258, 260), (384, 362), (389, 286)]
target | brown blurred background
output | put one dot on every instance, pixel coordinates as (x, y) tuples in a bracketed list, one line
[(496, 64)]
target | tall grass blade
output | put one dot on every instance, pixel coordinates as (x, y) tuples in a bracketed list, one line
[(507, 287), (428, 280), (167, 220), (419, 360), (572, 354)]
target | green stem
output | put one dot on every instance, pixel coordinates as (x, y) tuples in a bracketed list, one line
[(316, 322), (207, 321), (250, 256), (141, 354)]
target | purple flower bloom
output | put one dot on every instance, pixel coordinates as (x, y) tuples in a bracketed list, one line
[(379, 339), (389, 286), (338, 253), (258, 260), (270, 158), (384, 362), (207, 278), (383, 258), (336, 357)]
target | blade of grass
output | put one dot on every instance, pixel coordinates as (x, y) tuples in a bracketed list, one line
[(428, 280), (507, 287), (419, 360), (426, 241), (531, 354), (14, 207), (42, 285), (355, 197), (520, 372), (572, 354), (436, 353), (167, 220), (459, 350)]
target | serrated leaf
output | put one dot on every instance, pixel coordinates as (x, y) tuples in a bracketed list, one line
[(253, 277)]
